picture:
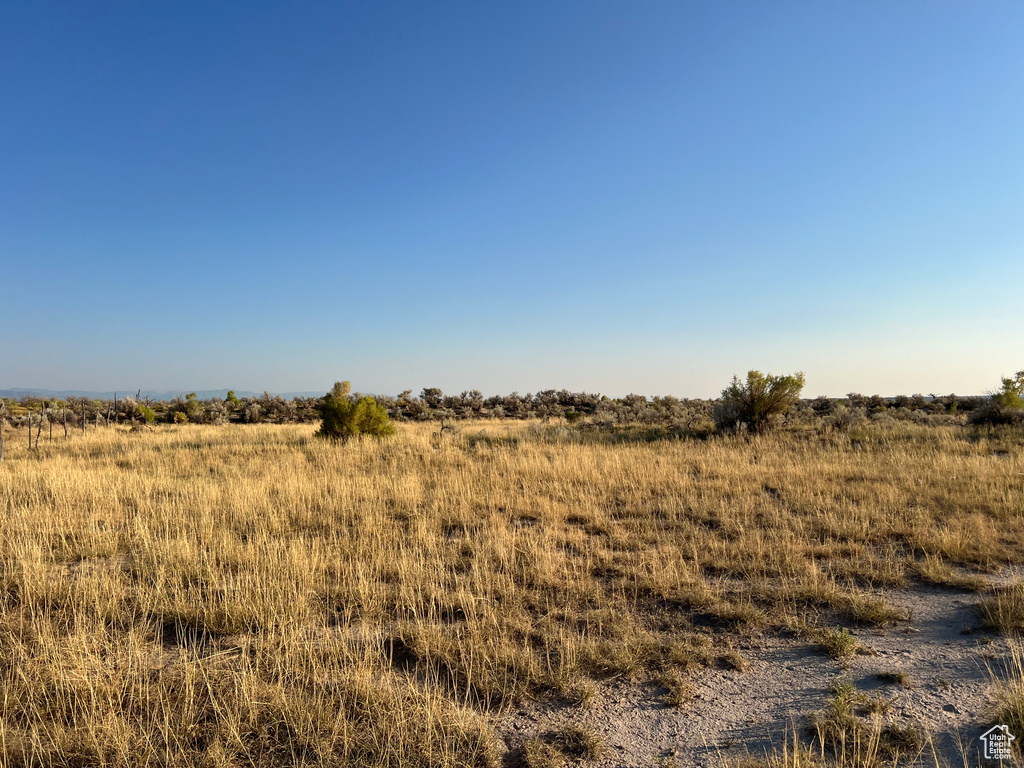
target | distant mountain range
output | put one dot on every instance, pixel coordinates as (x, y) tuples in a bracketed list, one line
[(202, 394)]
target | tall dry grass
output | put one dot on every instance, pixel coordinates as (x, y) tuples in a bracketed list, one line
[(253, 596)]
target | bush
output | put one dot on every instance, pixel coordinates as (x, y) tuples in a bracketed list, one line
[(344, 418), (140, 412), (823, 406), (187, 410), (1011, 396), (759, 403), (994, 415), (1006, 407), (844, 419)]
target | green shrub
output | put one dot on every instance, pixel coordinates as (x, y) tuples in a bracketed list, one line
[(1012, 394), (1005, 407), (187, 410), (142, 413), (759, 403), (344, 418)]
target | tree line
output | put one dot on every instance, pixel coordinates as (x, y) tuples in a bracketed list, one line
[(759, 402), (433, 404)]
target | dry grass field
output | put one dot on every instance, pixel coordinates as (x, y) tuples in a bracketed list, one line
[(253, 596)]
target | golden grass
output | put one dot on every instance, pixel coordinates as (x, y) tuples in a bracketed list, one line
[(565, 747), (1003, 611), (248, 595), (1010, 696)]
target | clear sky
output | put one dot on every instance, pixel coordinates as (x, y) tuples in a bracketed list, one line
[(604, 196)]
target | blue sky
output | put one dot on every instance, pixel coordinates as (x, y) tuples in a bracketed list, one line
[(616, 197)]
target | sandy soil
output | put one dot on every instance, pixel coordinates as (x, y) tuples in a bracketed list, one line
[(949, 659)]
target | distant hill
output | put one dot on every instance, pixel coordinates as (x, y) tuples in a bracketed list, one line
[(202, 394)]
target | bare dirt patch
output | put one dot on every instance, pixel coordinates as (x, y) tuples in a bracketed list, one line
[(931, 675)]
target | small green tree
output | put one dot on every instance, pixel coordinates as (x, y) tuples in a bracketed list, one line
[(1006, 405), (1012, 394), (344, 418), (760, 402), (193, 408), (137, 412)]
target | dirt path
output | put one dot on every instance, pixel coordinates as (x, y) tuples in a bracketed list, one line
[(941, 654)]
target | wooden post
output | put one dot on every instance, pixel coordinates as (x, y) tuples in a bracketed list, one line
[(64, 415), (29, 428), (39, 432), (49, 422)]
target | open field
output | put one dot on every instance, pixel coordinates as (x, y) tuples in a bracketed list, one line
[(249, 595)]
